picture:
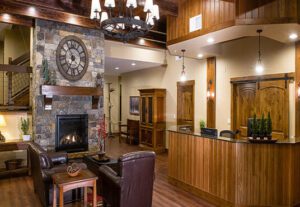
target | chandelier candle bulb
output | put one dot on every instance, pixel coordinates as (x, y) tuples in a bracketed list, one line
[(148, 6), (131, 3), (109, 3), (95, 9), (155, 12)]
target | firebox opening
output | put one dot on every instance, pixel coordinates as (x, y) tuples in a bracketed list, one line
[(71, 133)]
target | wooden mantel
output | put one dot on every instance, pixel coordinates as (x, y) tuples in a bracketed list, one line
[(49, 91)]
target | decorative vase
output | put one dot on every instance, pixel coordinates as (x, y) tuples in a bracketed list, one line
[(26, 137)]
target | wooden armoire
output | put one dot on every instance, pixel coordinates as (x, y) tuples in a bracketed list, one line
[(153, 119)]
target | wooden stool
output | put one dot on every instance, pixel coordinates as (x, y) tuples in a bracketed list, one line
[(65, 183)]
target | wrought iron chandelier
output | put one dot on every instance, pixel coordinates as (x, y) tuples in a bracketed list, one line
[(120, 22)]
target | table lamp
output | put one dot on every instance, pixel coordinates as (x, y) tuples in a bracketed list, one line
[(2, 124)]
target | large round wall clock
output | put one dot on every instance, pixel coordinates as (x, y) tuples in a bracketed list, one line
[(72, 58)]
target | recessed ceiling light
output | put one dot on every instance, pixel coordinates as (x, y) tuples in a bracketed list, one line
[(133, 64), (31, 10), (210, 40), (293, 36), (117, 68), (6, 16), (200, 55)]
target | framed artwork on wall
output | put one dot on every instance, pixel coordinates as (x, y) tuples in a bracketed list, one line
[(134, 102)]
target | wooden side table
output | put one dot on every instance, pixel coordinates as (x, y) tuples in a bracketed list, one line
[(65, 183)]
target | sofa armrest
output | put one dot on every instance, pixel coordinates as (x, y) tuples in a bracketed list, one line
[(58, 158), (110, 176)]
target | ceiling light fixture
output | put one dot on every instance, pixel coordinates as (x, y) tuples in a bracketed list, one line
[(133, 64), (31, 10), (119, 22), (210, 40), (6, 16), (200, 55), (259, 66), (117, 68), (293, 36), (183, 73)]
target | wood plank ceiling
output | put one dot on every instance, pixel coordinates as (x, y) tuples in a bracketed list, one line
[(60, 10)]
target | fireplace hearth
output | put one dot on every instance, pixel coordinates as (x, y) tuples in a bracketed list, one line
[(71, 133)]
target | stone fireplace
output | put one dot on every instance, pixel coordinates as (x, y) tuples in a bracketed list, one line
[(71, 133), (46, 38)]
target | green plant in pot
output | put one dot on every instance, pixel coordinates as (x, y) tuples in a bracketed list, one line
[(262, 126), (254, 127), (202, 124), (25, 129), (269, 126)]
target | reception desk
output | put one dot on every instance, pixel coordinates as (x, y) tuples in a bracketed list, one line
[(229, 172)]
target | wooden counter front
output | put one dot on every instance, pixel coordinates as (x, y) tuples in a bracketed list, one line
[(231, 173)]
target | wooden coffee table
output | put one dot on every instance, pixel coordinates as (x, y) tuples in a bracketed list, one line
[(65, 183)]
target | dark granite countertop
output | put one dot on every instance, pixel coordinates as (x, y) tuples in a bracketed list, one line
[(198, 134)]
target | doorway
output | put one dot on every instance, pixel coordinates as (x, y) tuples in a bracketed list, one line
[(185, 103)]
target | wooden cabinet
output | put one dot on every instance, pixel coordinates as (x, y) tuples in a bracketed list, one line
[(152, 119)]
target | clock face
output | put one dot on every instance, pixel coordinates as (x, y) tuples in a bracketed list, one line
[(72, 58)]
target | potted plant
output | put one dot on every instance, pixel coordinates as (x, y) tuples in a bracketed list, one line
[(269, 126), (25, 129), (262, 126), (254, 127), (202, 124)]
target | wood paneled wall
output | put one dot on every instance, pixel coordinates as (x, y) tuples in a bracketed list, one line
[(220, 14), (297, 82), (211, 86), (216, 14), (266, 11), (235, 174)]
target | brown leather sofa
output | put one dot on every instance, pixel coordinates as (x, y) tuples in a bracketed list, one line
[(43, 166), (132, 186)]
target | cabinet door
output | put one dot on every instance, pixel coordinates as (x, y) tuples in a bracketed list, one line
[(146, 136), (150, 110), (143, 110)]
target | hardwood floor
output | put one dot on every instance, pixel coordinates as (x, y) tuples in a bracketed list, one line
[(18, 192)]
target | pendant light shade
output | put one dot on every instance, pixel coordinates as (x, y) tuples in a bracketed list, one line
[(131, 3), (148, 6), (155, 12), (149, 19), (95, 9), (109, 3), (104, 16), (183, 76)]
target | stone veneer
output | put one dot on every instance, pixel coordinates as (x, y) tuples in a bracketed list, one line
[(47, 36)]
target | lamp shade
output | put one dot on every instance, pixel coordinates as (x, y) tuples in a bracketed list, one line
[(95, 9), (104, 16), (155, 11), (148, 6), (131, 3), (109, 3), (2, 121)]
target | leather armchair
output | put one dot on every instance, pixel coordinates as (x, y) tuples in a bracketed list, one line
[(132, 185), (43, 166)]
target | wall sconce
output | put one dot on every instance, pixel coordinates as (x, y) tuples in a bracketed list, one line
[(2, 124), (210, 94)]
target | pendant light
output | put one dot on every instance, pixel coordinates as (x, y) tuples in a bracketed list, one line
[(183, 73), (259, 68)]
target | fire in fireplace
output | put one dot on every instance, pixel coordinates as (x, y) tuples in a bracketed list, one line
[(71, 133)]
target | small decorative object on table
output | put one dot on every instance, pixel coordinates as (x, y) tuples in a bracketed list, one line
[(25, 129), (73, 170), (101, 134)]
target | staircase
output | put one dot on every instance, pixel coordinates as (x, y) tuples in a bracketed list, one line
[(16, 87)]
